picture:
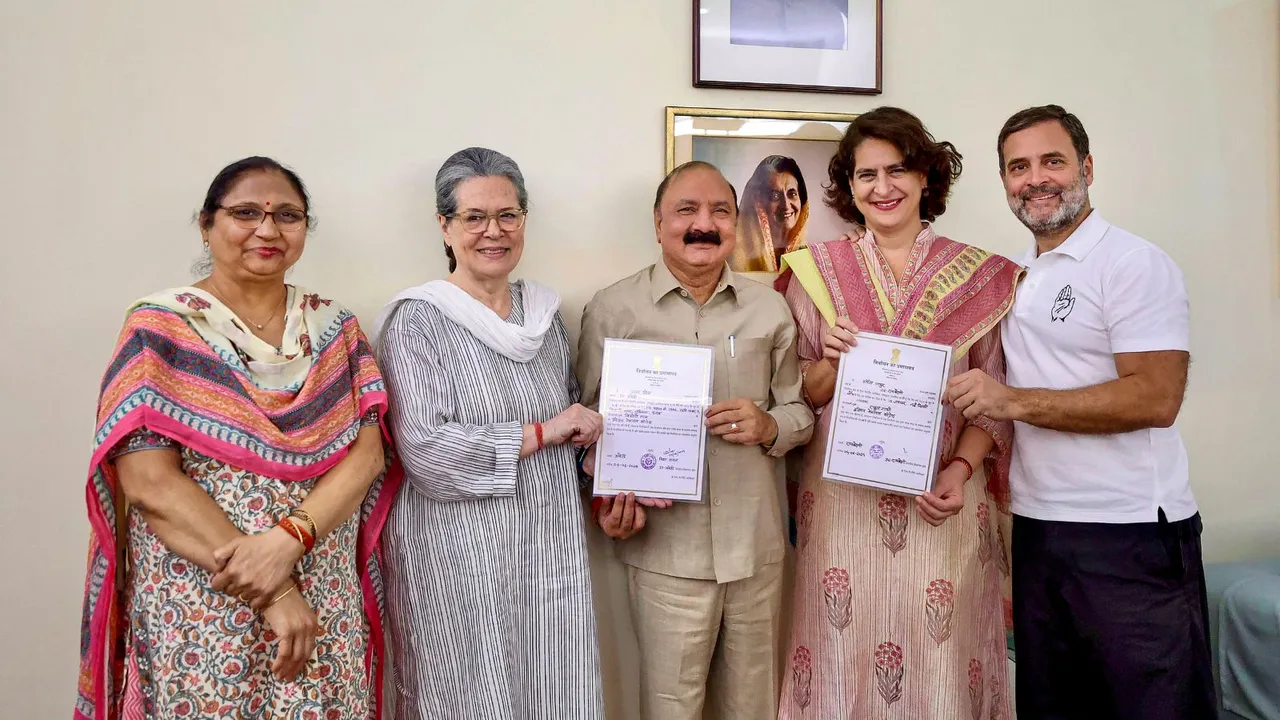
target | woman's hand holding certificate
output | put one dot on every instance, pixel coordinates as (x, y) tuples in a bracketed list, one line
[(839, 339), (887, 405)]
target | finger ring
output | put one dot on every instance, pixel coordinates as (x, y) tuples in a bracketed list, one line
[(734, 427), (240, 597)]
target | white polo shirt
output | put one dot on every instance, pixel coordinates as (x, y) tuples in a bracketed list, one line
[(1103, 291)]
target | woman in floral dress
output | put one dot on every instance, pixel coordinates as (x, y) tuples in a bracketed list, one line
[(237, 487), (897, 610)]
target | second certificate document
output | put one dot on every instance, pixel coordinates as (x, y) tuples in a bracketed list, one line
[(654, 398), (888, 414)]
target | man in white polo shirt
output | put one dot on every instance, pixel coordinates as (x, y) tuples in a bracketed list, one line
[(1108, 587)]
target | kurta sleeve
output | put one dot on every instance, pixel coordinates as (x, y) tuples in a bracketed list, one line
[(789, 410), (810, 327), (445, 460), (987, 355), (141, 439)]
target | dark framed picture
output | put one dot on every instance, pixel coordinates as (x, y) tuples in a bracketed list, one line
[(777, 162), (800, 45)]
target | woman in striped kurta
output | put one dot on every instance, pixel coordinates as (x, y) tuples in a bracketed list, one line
[(488, 585)]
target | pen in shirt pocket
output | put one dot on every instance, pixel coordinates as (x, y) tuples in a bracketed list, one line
[(732, 354)]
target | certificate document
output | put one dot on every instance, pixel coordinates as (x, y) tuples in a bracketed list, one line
[(654, 398), (887, 418)]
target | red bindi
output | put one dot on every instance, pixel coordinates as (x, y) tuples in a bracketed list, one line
[(268, 203)]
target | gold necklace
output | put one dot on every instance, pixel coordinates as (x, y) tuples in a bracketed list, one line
[(260, 325)]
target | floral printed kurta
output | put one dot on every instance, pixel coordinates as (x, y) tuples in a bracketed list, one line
[(193, 652), (893, 618)]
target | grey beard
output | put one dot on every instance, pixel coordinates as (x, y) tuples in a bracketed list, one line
[(1073, 200)]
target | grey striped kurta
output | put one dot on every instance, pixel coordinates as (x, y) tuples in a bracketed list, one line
[(487, 581)]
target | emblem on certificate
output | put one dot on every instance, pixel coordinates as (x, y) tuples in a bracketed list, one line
[(887, 414), (654, 398)]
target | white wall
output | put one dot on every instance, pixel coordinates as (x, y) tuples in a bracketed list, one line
[(116, 115)]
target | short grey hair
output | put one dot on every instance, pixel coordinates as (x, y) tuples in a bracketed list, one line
[(474, 162)]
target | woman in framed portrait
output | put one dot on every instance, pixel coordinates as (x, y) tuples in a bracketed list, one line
[(774, 210)]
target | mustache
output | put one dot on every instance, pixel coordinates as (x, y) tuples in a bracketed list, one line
[(692, 236), (1040, 190)]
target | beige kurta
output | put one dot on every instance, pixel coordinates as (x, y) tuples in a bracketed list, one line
[(737, 528), (893, 618), (705, 577)]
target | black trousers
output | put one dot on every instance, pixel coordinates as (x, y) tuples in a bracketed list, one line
[(1111, 621)]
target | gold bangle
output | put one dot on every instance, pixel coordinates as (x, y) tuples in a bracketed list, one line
[(306, 517), (279, 597)]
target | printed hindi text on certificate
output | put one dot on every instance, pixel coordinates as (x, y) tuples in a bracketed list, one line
[(888, 414), (653, 397)]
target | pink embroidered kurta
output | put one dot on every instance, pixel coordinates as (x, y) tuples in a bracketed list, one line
[(893, 618)]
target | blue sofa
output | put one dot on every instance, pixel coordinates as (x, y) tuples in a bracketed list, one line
[(1244, 628)]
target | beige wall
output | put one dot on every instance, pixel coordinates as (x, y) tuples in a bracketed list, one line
[(116, 116)]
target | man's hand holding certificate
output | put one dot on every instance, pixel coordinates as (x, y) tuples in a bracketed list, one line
[(888, 414), (654, 398)]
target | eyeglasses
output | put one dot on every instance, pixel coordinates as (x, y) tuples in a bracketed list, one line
[(250, 217), (478, 222)]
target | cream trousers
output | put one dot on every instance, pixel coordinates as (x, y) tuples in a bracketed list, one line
[(707, 647)]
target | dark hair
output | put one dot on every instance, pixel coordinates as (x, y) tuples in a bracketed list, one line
[(474, 162), (224, 181), (1032, 116), (939, 162), (676, 171), (233, 173), (759, 182)]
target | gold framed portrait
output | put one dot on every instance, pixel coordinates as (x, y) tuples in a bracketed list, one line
[(777, 162)]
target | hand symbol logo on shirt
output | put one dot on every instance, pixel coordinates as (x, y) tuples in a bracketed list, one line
[(1063, 305)]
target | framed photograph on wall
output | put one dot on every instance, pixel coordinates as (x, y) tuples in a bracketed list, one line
[(777, 162), (802, 45)]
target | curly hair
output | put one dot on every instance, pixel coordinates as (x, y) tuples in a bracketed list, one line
[(939, 162)]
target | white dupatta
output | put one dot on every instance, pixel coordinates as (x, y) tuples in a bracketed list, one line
[(520, 343)]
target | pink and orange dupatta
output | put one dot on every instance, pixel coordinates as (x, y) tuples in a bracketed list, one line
[(166, 377), (961, 294)]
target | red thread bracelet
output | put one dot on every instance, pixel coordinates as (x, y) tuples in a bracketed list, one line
[(596, 502), (967, 466), (537, 430)]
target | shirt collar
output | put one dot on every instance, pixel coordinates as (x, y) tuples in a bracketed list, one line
[(664, 283), (1081, 242)]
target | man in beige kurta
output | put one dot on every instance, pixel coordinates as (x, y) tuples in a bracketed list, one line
[(705, 578)]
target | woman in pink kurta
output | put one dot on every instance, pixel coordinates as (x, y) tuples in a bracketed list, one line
[(898, 605)]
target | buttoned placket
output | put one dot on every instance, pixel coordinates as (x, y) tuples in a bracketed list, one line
[(700, 312)]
